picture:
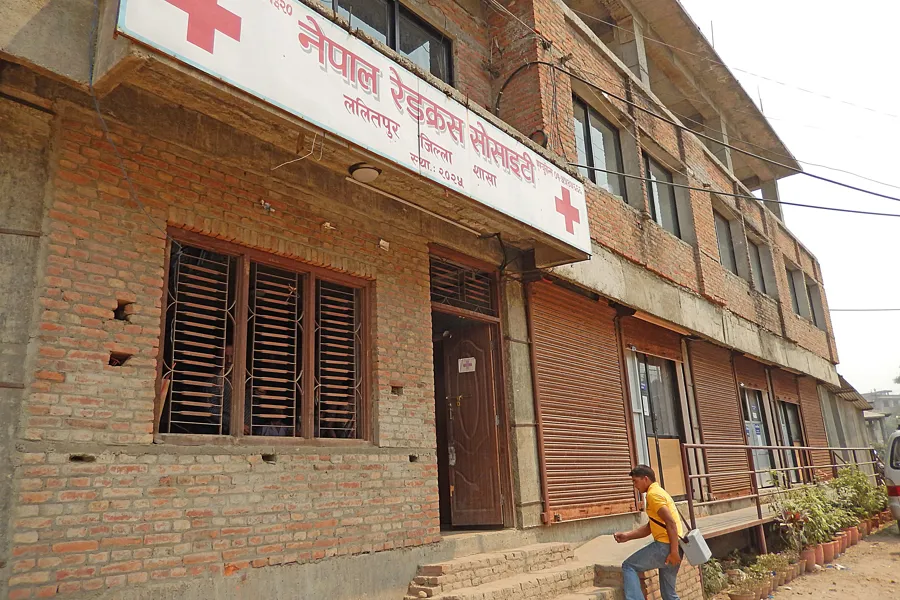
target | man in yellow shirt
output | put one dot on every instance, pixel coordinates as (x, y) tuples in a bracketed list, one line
[(665, 526)]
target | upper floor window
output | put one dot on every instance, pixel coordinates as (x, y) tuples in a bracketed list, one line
[(598, 145), (725, 240), (395, 26), (756, 267), (816, 310), (661, 196), (795, 279), (253, 347)]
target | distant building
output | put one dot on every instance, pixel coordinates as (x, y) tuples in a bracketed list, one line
[(877, 426)]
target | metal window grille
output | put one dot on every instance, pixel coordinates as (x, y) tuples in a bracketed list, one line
[(274, 379), (197, 363), (338, 389)]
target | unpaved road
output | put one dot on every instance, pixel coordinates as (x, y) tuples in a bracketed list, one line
[(873, 573)]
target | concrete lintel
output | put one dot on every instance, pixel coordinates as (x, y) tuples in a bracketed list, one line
[(628, 283)]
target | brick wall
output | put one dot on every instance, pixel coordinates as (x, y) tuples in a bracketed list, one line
[(689, 585), (151, 512)]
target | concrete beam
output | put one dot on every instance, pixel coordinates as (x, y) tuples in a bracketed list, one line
[(626, 282), (630, 38)]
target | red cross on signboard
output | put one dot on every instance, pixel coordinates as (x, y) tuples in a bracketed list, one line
[(569, 212), (205, 17)]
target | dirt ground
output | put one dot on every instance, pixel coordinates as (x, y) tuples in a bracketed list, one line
[(872, 573)]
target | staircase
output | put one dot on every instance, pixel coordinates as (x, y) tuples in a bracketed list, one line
[(537, 572)]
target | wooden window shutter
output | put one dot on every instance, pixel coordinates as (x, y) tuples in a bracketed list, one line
[(462, 287), (338, 377), (274, 400), (199, 336)]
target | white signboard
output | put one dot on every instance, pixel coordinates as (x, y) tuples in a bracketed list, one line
[(290, 56)]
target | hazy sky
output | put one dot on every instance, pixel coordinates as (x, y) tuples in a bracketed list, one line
[(819, 46)]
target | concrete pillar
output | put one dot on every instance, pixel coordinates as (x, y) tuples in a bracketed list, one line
[(630, 37), (716, 128), (520, 396), (770, 192)]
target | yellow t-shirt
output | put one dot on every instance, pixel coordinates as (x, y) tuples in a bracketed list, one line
[(656, 499)]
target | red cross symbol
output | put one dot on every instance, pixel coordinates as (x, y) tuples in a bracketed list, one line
[(565, 208), (205, 17)]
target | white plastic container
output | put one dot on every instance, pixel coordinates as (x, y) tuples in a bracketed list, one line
[(695, 548)]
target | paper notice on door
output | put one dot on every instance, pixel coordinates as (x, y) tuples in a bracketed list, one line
[(756, 427), (467, 364)]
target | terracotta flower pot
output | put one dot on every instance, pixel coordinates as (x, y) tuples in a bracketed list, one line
[(743, 595), (808, 559), (854, 536), (863, 529), (827, 552), (820, 555), (799, 568), (787, 574), (779, 580)]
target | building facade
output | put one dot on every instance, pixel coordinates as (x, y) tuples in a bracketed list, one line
[(294, 289)]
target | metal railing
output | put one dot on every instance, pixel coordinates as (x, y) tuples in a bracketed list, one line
[(801, 464)]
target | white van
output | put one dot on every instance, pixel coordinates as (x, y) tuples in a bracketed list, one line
[(892, 473)]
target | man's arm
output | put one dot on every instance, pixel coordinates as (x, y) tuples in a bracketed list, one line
[(635, 534), (674, 557)]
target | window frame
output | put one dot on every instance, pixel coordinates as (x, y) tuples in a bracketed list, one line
[(717, 215), (590, 113), (244, 255), (653, 202), (792, 288), (757, 275), (397, 9), (814, 297)]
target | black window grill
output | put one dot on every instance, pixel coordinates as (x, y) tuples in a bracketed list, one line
[(337, 387)]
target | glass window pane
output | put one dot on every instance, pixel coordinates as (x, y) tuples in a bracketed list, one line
[(664, 399), (663, 208), (792, 286), (895, 454), (756, 267), (424, 46), (726, 243), (373, 17), (580, 125), (606, 154)]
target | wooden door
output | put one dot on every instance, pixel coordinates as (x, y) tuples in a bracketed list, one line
[(474, 458)]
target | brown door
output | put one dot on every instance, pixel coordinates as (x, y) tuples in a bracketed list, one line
[(474, 464)]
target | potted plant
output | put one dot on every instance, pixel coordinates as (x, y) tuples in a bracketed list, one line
[(745, 590)]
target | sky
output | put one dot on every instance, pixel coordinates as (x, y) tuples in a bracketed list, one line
[(823, 46)]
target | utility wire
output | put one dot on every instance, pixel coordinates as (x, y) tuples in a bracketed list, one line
[(864, 309), (684, 128), (548, 43), (746, 72), (732, 194)]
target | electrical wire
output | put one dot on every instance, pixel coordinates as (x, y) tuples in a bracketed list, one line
[(864, 309), (699, 100), (698, 134), (746, 72), (732, 194)]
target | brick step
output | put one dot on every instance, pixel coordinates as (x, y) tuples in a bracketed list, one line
[(593, 593), (544, 584), (480, 569)]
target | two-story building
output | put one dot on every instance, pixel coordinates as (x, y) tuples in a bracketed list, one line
[(297, 291)]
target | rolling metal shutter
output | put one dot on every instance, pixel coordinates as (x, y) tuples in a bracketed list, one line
[(814, 423), (579, 391), (785, 386), (651, 339), (751, 373), (720, 418)]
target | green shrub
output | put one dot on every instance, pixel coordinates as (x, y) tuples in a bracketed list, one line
[(714, 578)]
